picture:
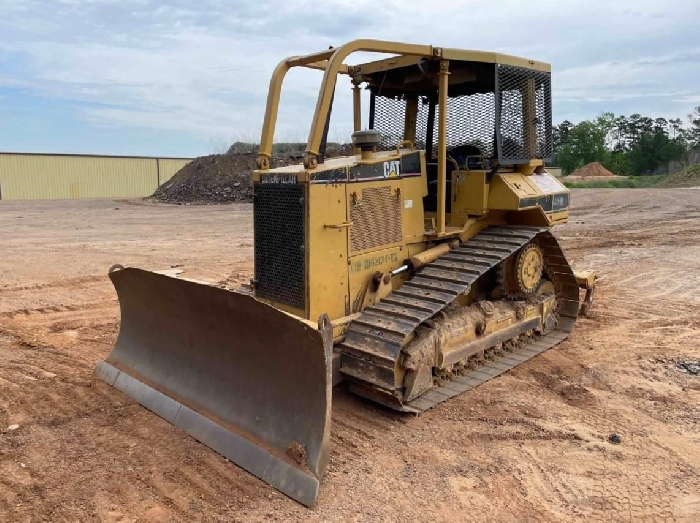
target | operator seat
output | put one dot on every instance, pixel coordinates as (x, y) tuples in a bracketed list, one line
[(461, 155)]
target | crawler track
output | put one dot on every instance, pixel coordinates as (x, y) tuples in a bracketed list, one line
[(373, 342)]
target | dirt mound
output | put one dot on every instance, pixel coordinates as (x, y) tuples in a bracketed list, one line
[(591, 170), (224, 178), (213, 179)]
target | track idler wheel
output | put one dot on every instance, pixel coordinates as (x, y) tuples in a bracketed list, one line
[(521, 273)]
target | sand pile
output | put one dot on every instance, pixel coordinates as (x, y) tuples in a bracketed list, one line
[(593, 171)]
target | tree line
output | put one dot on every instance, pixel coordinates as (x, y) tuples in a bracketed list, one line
[(628, 145)]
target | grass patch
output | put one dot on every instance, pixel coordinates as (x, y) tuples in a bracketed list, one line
[(688, 177), (633, 182)]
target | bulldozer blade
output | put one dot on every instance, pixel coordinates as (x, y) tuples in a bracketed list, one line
[(246, 379)]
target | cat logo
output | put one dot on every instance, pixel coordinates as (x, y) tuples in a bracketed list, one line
[(391, 169)]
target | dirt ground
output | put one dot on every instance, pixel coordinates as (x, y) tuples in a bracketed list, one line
[(531, 445)]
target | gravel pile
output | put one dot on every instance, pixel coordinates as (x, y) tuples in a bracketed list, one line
[(213, 179), (222, 178)]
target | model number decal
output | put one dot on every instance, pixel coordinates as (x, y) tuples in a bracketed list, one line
[(278, 178), (369, 263)]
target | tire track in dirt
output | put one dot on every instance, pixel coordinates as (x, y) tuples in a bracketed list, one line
[(58, 284), (51, 298), (91, 437), (65, 317), (637, 482), (38, 361), (53, 380)]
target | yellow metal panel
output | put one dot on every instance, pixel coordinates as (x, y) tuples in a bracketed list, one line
[(466, 55), (363, 266), (412, 192), (327, 252), (491, 57), (545, 184), (168, 167), (29, 176), (559, 217), (470, 194), (387, 64), (375, 210), (507, 190), (586, 279)]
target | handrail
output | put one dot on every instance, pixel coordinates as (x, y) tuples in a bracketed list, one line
[(331, 61), (273, 99), (271, 108), (329, 81)]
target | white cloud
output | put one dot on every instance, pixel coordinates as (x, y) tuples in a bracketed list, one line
[(204, 67), (692, 99)]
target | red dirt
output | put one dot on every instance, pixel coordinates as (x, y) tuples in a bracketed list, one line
[(531, 445), (591, 170)]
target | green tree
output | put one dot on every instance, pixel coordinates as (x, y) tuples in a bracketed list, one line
[(626, 145), (606, 122), (585, 143), (693, 134), (560, 134), (676, 129), (653, 149)]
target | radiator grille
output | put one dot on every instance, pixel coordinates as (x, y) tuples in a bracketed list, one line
[(377, 220), (279, 229)]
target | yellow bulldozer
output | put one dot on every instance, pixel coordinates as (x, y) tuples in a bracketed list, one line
[(410, 271)]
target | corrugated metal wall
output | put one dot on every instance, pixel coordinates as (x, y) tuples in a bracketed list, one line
[(167, 167), (44, 176)]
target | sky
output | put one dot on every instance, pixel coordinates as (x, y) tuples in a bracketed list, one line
[(183, 79)]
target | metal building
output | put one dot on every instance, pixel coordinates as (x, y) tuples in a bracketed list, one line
[(29, 176)]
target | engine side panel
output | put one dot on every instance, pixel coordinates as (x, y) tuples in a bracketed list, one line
[(327, 251), (516, 191)]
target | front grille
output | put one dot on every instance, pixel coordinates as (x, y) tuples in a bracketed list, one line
[(376, 220), (279, 236)]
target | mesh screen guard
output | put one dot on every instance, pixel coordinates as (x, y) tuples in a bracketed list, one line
[(492, 121), (525, 131)]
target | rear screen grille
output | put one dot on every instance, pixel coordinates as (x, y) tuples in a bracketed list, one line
[(279, 231), (524, 130)]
